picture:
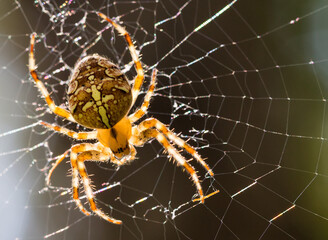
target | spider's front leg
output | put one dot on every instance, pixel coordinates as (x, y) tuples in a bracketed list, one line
[(139, 138), (79, 154), (154, 123), (70, 133)]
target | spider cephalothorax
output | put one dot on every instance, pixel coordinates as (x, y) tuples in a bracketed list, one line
[(99, 94), (100, 98)]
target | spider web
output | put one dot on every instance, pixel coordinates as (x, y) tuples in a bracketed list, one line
[(243, 81)]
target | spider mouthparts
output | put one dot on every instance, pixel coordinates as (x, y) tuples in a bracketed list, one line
[(122, 155)]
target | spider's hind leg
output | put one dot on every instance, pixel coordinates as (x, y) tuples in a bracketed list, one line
[(32, 67), (135, 57), (144, 107)]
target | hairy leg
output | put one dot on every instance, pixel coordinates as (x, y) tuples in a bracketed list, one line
[(144, 107), (140, 73), (153, 122), (59, 160), (32, 67), (140, 138), (79, 154), (70, 133)]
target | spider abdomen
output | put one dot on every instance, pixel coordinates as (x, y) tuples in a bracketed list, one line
[(99, 94)]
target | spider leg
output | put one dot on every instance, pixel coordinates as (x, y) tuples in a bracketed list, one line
[(75, 181), (147, 134), (153, 122), (32, 67), (140, 73), (72, 134), (88, 152), (59, 160), (144, 107)]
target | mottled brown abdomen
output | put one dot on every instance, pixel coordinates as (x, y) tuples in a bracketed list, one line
[(99, 94)]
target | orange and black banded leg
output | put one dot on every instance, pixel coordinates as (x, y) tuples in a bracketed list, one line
[(92, 156), (60, 158), (153, 122), (75, 175), (79, 154), (148, 134), (140, 73), (70, 133), (144, 107), (32, 67)]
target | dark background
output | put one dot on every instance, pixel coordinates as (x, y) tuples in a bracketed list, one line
[(256, 103)]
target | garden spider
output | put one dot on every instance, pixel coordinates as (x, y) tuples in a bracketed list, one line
[(100, 98)]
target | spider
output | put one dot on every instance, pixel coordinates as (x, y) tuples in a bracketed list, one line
[(99, 98)]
